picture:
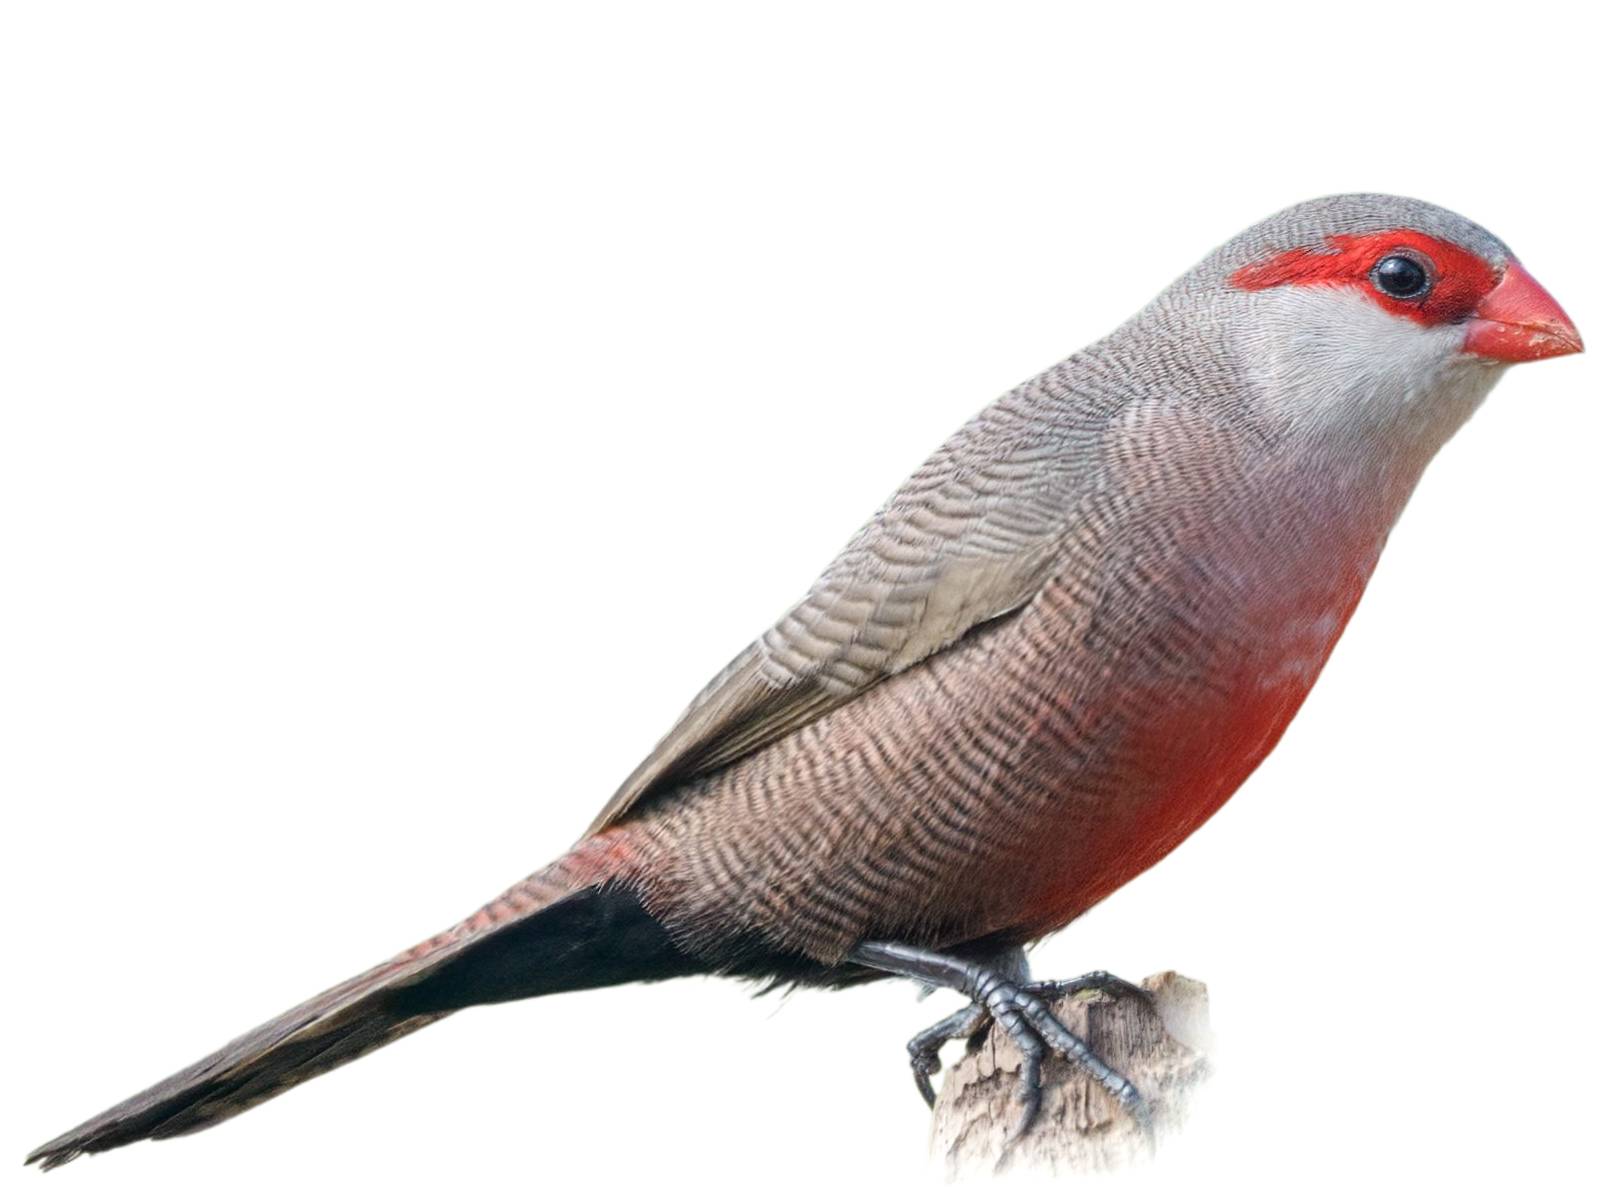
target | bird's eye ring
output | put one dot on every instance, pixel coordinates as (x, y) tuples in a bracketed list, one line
[(1402, 276)]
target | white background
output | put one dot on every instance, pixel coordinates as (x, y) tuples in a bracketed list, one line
[(406, 408)]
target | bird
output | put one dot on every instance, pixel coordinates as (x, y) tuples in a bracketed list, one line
[(1055, 651)]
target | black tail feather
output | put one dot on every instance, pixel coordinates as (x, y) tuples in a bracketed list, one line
[(589, 938)]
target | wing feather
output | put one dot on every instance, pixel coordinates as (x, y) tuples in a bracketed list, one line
[(971, 537)]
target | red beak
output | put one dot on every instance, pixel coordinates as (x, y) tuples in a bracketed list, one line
[(1518, 321)]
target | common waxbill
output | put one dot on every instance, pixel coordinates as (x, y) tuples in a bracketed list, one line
[(1055, 651)]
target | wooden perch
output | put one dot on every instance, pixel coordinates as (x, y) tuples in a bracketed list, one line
[(1080, 1128)]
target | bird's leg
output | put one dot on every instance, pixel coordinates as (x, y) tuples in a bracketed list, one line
[(1014, 1006)]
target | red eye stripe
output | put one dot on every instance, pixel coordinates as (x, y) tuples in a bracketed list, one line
[(1460, 279)]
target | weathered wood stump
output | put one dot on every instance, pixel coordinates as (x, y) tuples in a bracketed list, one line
[(1159, 1047)]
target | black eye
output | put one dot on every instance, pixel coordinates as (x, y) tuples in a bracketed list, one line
[(1401, 277)]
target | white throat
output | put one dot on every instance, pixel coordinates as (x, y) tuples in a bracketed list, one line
[(1363, 397)]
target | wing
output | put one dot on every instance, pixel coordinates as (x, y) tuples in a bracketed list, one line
[(973, 535)]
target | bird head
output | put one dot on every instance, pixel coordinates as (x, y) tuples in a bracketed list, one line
[(1425, 268), (1373, 320)]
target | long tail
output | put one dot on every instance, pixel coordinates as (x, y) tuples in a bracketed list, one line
[(561, 929)]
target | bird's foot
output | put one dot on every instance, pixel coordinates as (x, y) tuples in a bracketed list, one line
[(1020, 1011), (1105, 982), (969, 1023), (974, 1021)]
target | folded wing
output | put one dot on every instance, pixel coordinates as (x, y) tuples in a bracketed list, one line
[(971, 537)]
